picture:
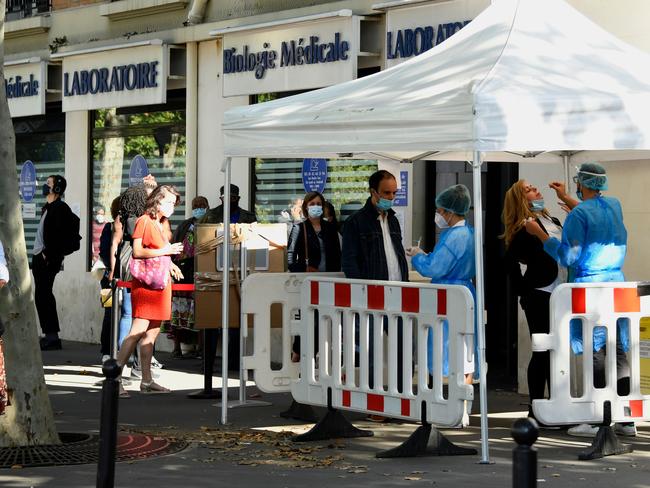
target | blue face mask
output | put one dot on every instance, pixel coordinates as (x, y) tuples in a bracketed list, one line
[(315, 211), (579, 193), (384, 205), (197, 213), (537, 205)]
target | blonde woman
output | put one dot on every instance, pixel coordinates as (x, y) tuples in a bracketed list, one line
[(534, 273)]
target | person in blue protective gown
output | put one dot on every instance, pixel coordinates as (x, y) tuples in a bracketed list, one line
[(451, 262), (593, 247)]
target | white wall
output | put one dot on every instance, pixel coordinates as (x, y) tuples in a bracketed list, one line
[(212, 105), (629, 181), (77, 294), (626, 19)]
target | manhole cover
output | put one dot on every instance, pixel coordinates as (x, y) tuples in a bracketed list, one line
[(84, 449)]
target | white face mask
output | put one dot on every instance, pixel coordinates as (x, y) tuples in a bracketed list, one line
[(440, 221), (167, 209), (100, 219)]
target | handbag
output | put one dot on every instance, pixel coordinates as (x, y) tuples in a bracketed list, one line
[(151, 272), (106, 297), (309, 269)]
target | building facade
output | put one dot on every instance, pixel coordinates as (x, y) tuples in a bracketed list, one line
[(106, 92)]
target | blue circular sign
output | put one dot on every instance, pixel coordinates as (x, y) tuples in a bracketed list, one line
[(28, 181), (314, 174), (138, 170)]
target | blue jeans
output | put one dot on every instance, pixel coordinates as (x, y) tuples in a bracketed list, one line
[(125, 319)]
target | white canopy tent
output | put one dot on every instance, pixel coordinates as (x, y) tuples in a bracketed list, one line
[(527, 80)]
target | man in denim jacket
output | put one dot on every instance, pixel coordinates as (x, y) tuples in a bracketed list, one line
[(372, 250)]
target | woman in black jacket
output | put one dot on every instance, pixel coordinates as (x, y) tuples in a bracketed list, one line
[(534, 273), (314, 244)]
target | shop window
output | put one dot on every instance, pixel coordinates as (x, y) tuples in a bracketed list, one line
[(278, 183), (157, 134), (41, 140)]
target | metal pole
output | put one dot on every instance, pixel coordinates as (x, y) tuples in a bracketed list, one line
[(225, 292), (243, 254), (524, 456), (480, 287), (115, 315), (108, 425), (567, 180)]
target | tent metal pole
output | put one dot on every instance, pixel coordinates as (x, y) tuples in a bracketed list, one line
[(567, 180), (225, 293), (480, 287)]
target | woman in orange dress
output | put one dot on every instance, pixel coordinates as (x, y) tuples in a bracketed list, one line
[(150, 307)]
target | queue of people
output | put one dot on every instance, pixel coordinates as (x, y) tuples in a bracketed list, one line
[(541, 254)]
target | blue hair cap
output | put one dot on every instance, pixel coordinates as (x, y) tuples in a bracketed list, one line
[(455, 199), (592, 175)]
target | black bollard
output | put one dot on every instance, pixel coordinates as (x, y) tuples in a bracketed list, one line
[(108, 425), (524, 456)]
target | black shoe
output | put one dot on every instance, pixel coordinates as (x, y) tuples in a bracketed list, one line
[(51, 345)]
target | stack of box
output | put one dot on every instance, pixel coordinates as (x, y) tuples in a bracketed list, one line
[(266, 252)]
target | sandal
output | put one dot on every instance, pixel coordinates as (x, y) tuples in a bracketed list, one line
[(123, 393), (152, 388)]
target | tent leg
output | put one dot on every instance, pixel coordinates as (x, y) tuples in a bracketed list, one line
[(225, 292), (480, 287)]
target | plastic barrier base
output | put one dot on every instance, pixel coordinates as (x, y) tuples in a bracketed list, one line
[(426, 441), (605, 444), (332, 426), (300, 411)]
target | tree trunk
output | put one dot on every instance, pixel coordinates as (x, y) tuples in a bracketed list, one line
[(28, 420)]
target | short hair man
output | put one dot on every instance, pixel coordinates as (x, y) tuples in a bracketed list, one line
[(372, 237), (372, 250), (238, 215), (48, 257)]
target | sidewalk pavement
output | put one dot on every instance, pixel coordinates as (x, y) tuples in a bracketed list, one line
[(235, 455)]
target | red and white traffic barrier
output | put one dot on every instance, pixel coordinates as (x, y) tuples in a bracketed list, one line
[(340, 305), (596, 305), (260, 291)]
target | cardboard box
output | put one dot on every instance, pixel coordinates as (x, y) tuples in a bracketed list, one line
[(274, 236), (207, 306), (207, 309)]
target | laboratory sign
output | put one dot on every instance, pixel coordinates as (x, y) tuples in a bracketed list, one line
[(115, 78), (289, 58), (414, 30)]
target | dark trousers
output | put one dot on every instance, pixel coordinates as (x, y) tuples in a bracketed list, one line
[(44, 274), (622, 369), (105, 338), (233, 347), (536, 308)]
